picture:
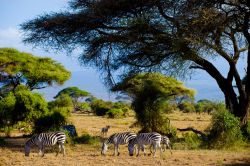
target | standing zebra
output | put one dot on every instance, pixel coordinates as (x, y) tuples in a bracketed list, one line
[(165, 142), (46, 139), (105, 130), (117, 139), (142, 139)]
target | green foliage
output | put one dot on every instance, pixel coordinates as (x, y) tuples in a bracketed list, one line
[(86, 139), (84, 106), (50, 122), (62, 104), (189, 140), (149, 92), (75, 94), (100, 107), (26, 69), (205, 106), (186, 107), (7, 107), (246, 131), (225, 130), (24, 106), (115, 113)]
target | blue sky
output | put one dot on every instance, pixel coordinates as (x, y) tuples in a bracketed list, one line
[(15, 12)]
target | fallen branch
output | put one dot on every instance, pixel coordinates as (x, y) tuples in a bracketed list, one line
[(203, 135)]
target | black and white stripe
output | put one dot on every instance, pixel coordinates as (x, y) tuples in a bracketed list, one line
[(71, 129), (142, 139), (46, 139), (165, 143), (117, 139)]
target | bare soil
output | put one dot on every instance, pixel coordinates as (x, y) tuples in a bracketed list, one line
[(13, 152)]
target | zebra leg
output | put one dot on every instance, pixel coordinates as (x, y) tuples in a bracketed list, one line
[(169, 148), (118, 153), (115, 149), (138, 150), (154, 148), (63, 148), (59, 149), (43, 148), (40, 146)]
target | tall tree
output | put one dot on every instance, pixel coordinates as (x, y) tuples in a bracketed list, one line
[(18, 68), (149, 93), (75, 94), (155, 35)]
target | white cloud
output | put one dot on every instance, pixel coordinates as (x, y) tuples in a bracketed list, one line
[(10, 37)]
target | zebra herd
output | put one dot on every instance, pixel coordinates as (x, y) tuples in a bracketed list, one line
[(132, 139), (141, 139)]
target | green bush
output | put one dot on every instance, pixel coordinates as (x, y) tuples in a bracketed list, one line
[(205, 106), (225, 130), (101, 107), (24, 106), (86, 139), (115, 113), (84, 106), (189, 140), (63, 101), (186, 107), (246, 131), (50, 122)]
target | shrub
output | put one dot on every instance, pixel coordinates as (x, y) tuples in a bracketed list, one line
[(206, 106), (186, 107), (189, 140), (50, 122), (84, 106), (63, 101), (246, 131), (115, 113), (225, 129), (100, 107), (86, 139), (24, 106)]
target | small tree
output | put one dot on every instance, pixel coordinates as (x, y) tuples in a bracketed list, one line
[(149, 91), (75, 93)]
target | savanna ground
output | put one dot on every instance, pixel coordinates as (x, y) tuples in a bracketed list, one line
[(82, 154)]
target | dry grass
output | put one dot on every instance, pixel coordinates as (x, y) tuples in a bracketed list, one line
[(12, 154)]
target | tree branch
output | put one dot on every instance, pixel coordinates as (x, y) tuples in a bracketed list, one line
[(203, 135)]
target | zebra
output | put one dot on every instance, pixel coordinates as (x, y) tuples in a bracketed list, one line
[(71, 129), (165, 142), (105, 130), (143, 139), (46, 139), (117, 139)]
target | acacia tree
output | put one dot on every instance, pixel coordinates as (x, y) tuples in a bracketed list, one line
[(155, 35), (149, 92), (75, 94), (19, 68)]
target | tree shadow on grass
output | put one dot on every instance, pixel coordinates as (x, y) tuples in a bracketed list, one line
[(240, 162)]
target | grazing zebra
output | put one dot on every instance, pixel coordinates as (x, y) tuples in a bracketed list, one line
[(105, 130), (165, 142), (71, 129), (142, 139), (46, 139), (117, 139)]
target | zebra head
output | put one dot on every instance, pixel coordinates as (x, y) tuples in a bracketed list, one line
[(131, 147), (104, 148), (27, 149)]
